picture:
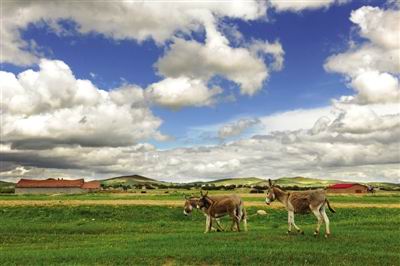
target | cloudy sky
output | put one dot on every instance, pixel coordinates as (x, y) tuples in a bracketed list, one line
[(199, 90)]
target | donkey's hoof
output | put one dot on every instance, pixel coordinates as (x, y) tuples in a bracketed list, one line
[(316, 233), (288, 232), (327, 235)]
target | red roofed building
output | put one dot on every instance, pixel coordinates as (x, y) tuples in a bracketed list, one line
[(54, 186), (347, 188), (91, 185)]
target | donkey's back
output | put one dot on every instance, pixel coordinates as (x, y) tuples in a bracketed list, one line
[(304, 201)]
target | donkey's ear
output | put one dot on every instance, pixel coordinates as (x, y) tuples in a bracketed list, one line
[(270, 182), (201, 193)]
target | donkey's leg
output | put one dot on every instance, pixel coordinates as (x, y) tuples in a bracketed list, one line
[(218, 225), (295, 226), (237, 220), (208, 224), (234, 216), (289, 222), (319, 217), (326, 220)]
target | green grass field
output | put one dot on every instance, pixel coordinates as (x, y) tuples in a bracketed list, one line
[(385, 197), (153, 235)]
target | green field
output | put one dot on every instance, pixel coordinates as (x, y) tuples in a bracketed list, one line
[(154, 235), (382, 197)]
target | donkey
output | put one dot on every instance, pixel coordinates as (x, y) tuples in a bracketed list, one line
[(302, 202), (193, 202), (231, 205)]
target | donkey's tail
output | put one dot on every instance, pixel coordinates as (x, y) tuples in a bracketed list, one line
[(329, 206)]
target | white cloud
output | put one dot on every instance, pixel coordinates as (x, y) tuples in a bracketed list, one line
[(300, 5), (117, 20), (236, 128), (372, 67), (353, 142), (50, 107), (381, 27), (179, 92), (375, 87), (245, 66), (139, 21), (295, 119)]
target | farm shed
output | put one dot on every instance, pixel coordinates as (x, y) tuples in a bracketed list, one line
[(53, 186), (347, 188)]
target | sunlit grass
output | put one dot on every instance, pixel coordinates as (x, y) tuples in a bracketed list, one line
[(155, 235)]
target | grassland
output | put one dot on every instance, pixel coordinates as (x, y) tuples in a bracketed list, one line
[(157, 235), (178, 195)]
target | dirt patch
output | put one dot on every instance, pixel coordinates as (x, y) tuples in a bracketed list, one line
[(174, 203)]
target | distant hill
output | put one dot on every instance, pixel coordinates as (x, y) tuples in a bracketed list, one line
[(237, 181), (284, 181), (131, 180), (305, 181), (298, 181)]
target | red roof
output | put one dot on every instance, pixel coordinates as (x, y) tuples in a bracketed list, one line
[(338, 186), (49, 183), (91, 185)]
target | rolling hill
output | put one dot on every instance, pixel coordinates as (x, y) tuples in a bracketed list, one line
[(284, 181), (248, 181), (237, 181), (292, 181), (132, 180)]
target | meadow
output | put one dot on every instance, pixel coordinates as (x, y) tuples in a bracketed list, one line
[(178, 195), (162, 235)]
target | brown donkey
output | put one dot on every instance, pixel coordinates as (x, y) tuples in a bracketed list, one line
[(302, 202), (193, 203), (231, 205)]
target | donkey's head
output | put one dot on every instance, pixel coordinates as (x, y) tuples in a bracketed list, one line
[(204, 201), (190, 203), (271, 193)]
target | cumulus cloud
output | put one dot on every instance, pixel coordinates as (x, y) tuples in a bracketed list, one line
[(51, 106), (185, 59), (375, 87), (182, 91), (245, 66), (372, 67), (236, 128), (300, 5), (356, 142), (137, 21), (294, 119)]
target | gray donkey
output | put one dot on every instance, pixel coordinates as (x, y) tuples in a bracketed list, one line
[(231, 205), (302, 202)]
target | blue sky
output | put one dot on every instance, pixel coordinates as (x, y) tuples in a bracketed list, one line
[(113, 56), (308, 39)]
